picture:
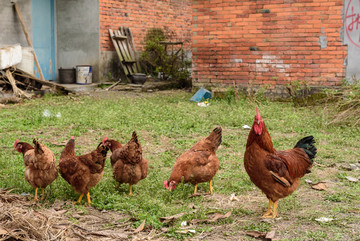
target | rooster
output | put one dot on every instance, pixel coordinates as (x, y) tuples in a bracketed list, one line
[(40, 165), (276, 173), (128, 164), (197, 165), (82, 172)]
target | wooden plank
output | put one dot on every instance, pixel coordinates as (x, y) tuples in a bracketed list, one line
[(120, 37), (132, 44), (170, 43), (28, 40), (55, 86), (17, 92), (125, 47), (129, 50), (124, 52), (129, 61), (117, 48)]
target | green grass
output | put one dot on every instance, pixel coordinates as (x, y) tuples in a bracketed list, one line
[(169, 125)]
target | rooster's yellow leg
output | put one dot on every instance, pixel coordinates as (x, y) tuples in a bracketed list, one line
[(88, 198), (130, 193), (36, 198), (79, 200), (195, 190), (43, 194), (210, 187), (118, 185), (269, 212), (274, 214)]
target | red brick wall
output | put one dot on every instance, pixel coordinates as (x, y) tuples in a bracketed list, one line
[(140, 15), (286, 42)]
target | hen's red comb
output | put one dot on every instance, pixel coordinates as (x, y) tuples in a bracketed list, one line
[(103, 141), (166, 184), (72, 137), (16, 142)]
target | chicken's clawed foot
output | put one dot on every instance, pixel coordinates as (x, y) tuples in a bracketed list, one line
[(210, 187), (43, 194), (195, 189), (36, 197), (81, 196), (272, 210), (130, 193)]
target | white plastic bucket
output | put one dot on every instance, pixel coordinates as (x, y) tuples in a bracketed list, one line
[(83, 74)]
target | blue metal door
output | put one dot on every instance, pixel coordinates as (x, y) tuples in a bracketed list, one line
[(44, 36)]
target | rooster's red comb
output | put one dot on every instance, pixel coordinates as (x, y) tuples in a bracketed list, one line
[(105, 139), (72, 137), (258, 116), (16, 142)]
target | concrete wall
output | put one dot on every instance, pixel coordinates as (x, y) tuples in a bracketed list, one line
[(352, 39), (78, 34), (10, 28)]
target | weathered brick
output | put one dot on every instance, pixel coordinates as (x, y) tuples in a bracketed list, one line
[(143, 15), (290, 34)]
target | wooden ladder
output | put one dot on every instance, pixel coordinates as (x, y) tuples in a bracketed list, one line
[(125, 48)]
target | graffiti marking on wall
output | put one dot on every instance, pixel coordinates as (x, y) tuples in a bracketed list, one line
[(352, 22)]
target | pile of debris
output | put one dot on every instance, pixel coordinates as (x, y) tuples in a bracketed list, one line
[(21, 219), (22, 83)]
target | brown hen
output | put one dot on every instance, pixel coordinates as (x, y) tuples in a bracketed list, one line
[(40, 165), (82, 172), (276, 173), (197, 165), (128, 164)]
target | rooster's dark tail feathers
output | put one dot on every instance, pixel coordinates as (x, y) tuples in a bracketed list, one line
[(307, 144)]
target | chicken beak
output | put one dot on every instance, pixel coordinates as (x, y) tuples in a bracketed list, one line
[(258, 122)]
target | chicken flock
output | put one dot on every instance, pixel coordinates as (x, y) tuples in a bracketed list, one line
[(276, 173)]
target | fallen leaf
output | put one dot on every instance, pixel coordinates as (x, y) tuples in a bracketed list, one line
[(171, 218), (164, 230), (324, 219), (233, 197), (352, 179), (355, 167), (187, 231), (199, 194), (141, 227), (256, 234), (216, 217), (320, 186), (220, 216), (270, 235)]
